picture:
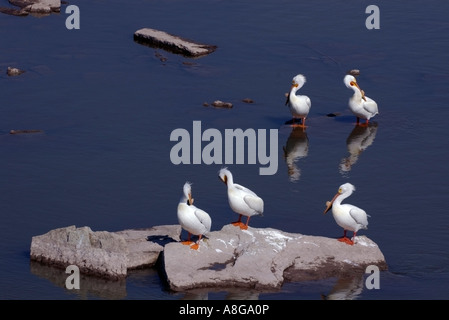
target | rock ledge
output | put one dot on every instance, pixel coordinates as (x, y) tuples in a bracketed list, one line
[(258, 258)]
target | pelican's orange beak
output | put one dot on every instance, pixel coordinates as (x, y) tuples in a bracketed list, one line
[(353, 83), (224, 180), (329, 203), (190, 201), (288, 98), (363, 95)]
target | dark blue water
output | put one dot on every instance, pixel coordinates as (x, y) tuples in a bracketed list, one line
[(107, 106)]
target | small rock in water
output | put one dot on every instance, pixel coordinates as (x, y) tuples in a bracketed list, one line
[(14, 71), (248, 100), (221, 104), (354, 72)]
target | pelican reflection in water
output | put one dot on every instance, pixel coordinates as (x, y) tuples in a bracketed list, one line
[(296, 147), (360, 138)]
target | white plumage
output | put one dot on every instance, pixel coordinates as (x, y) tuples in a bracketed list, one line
[(241, 200), (192, 219), (361, 106), (347, 216), (299, 105)]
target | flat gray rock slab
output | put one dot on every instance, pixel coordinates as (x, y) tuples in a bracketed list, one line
[(102, 253), (145, 245), (99, 253), (264, 259), (172, 43)]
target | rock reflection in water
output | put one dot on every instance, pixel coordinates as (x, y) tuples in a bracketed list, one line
[(89, 286), (346, 288)]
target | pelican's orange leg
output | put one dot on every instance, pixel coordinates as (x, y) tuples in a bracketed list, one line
[(238, 223), (188, 242), (197, 244), (345, 239), (245, 226)]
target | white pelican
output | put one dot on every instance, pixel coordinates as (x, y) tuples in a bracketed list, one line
[(192, 219), (299, 105), (347, 216), (241, 200), (362, 106)]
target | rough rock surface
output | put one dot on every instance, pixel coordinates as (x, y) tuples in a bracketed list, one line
[(257, 258), (169, 42), (145, 245), (32, 6), (102, 253), (264, 259)]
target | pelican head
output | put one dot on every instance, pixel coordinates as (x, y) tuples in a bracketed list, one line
[(351, 83), (224, 174), (345, 189), (298, 81), (187, 189)]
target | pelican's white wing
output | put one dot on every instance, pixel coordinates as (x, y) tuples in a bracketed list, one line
[(246, 190), (255, 203), (204, 218), (371, 106), (359, 216)]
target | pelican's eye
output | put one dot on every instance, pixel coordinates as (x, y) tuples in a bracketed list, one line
[(352, 83), (340, 190)]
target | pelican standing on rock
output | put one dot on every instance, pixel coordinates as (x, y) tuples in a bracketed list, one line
[(299, 105), (241, 200), (361, 106), (347, 216), (192, 219)]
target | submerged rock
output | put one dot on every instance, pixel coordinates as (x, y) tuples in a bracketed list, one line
[(257, 258), (25, 131)]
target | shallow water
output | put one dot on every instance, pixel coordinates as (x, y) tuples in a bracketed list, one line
[(107, 106)]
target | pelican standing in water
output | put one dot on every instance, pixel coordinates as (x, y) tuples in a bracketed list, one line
[(361, 106), (299, 104), (347, 216), (241, 200), (192, 219)]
